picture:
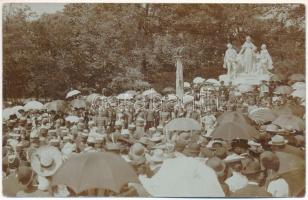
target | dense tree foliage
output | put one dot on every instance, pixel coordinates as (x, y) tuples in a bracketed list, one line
[(119, 46)]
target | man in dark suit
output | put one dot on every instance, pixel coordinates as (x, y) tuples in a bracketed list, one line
[(253, 172)]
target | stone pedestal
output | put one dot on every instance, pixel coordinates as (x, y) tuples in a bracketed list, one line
[(247, 79)]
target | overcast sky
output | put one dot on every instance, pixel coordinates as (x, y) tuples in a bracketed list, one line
[(41, 8)]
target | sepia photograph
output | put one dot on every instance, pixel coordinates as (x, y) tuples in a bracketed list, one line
[(153, 99)]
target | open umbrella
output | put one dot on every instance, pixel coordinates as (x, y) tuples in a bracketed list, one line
[(198, 80), (299, 85), (232, 116), (124, 96), (289, 162), (297, 110), (92, 170), (297, 77), (183, 177), (283, 89), (78, 103), (168, 90), (183, 124), (131, 92), (90, 98), (213, 81), (150, 92), (287, 121), (72, 93), (234, 130), (56, 105), (7, 112), (262, 115), (296, 180), (72, 118), (33, 105), (300, 93)]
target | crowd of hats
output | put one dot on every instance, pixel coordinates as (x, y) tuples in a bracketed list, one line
[(39, 141)]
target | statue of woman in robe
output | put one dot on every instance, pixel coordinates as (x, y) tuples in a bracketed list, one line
[(247, 53), (266, 62)]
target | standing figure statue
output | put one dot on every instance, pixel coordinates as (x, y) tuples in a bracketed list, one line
[(265, 61), (247, 53), (230, 62)]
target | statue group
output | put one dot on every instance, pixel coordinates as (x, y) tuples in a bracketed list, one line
[(248, 61)]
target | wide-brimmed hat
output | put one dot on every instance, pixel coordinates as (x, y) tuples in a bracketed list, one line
[(251, 167), (278, 140), (131, 127), (46, 160), (144, 140), (157, 137), (273, 128), (52, 132), (160, 128), (217, 165), (137, 154), (255, 147), (232, 158), (158, 156), (54, 142)]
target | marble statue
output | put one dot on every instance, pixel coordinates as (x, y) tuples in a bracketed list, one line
[(265, 62), (230, 60), (247, 56)]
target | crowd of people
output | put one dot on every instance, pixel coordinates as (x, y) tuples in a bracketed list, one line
[(136, 128)]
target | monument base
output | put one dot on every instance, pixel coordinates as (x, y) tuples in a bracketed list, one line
[(246, 79)]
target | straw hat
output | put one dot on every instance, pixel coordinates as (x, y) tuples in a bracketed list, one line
[(278, 140), (137, 154), (255, 147), (158, 156), (46, 160), (160, 128), (233, 158), (144, 141), (273, 128), (131, 127), (156, 137)]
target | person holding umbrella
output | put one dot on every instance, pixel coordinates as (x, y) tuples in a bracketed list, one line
[(26, 176), (253, 189), (275, 184)]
